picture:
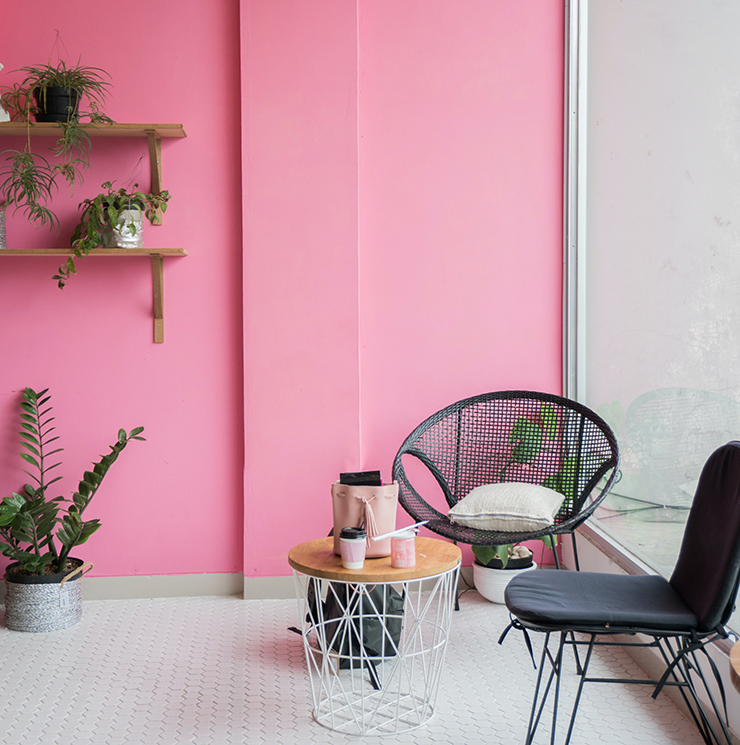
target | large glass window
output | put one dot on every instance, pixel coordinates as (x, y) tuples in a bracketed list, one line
[(659, 351)]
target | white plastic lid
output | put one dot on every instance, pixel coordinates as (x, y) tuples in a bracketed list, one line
[(406, 534)]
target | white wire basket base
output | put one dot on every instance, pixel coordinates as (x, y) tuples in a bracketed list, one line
[(406, 674)]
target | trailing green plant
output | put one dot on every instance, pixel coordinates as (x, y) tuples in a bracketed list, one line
[(39, 531), (29, 179), (100, 214)]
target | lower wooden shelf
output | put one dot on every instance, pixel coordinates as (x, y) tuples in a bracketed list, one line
[(157, 256)]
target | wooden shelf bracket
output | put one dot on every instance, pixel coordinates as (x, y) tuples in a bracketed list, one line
[(155, 167), (158, 297), (157, 256)]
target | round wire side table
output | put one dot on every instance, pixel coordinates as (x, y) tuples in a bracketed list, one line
[(374, 638)]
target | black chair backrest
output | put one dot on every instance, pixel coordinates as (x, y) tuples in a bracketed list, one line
[(508, 436), (708, 568)]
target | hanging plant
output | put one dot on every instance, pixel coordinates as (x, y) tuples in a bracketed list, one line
[(28, 179)]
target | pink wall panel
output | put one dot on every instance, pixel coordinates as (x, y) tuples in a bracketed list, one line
[(300, 270), (171, 505), (402, 233), (460, 211)]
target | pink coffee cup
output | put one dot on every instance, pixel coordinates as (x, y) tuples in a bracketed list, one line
[(352, 544)]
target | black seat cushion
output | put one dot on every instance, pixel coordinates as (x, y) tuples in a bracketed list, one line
[(592, 600)]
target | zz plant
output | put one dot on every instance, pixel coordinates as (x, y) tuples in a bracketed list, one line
[(39, 531)]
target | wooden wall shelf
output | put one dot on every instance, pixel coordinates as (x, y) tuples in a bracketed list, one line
[(157, 255), (116, 129), (154, 132)]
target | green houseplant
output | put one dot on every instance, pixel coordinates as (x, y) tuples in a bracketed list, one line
[(29, 179), (38, 531), (107, 215)]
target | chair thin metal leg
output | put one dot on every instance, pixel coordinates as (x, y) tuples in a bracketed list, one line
[(534, 716), (538, 702), (575, 551), (582, 673)]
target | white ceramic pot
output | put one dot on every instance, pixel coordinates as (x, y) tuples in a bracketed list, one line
[(129, 233), (491, 583)]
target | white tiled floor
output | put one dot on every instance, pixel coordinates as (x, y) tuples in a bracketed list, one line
[(217, 671)]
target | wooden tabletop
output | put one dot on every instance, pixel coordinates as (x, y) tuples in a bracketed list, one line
[(317, 559)]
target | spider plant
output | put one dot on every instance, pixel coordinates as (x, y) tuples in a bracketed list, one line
[(29, 180)]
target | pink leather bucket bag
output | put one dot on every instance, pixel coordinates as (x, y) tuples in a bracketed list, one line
[(370, 507)]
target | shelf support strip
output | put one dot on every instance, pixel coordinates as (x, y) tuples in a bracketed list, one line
[(158, 297), (155, 167)]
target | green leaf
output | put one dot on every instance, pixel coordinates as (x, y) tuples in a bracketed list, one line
[(503, 553), (30, 459), (550, 541), (528, 439), (549, 420), (136, 431), (30, 447), (484, 554)]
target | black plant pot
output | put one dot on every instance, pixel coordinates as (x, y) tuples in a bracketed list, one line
[(57, 105), (517, 563)]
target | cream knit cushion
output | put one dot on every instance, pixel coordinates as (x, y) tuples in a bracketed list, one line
[(511, 508)]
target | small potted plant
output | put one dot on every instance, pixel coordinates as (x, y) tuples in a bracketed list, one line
[(38, 532), (50, 93), (495, 566), (111, 219)]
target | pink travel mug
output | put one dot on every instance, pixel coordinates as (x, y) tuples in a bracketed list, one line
[(403, 550), (352, 543)]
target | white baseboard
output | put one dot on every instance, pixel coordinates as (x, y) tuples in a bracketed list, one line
[(158, 586), (192, 585)]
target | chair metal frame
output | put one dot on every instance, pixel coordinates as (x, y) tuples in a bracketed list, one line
[(678, 651), (680, 617)]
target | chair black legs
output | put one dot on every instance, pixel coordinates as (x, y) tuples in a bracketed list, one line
[(684, 672), (556, 665)]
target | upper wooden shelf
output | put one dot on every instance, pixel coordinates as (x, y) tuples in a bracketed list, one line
[(94, 252), (51, 129)]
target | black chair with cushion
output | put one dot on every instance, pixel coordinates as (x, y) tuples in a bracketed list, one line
[(678, 617), (518, 450)]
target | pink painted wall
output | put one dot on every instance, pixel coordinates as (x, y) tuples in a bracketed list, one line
[(403, 202), (174, 504), (394, 245)]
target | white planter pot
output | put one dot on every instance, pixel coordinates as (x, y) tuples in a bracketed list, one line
[(129, 233), (491, 583)]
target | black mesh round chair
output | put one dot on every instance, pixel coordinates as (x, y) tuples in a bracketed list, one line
[(510, 436)]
